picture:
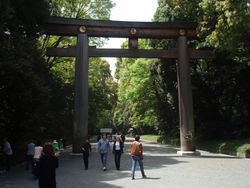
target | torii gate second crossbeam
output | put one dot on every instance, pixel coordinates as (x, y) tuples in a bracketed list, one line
[(84, 29)]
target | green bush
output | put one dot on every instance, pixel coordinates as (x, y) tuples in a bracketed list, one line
[(239, 148), (166, 139)]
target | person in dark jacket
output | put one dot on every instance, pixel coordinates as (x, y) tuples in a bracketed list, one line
[(86, 148), (117, 151), (48, 165)]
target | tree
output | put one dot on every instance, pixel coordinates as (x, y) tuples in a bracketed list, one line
[(217, 93), (102, 95), (136, 98), (24, 77)]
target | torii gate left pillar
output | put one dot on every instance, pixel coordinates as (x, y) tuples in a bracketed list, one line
[(81, 93)]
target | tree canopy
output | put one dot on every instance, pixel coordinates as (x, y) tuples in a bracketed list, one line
[(221, 102)]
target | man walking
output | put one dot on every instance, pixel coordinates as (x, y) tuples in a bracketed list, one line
[(103, 147), (136, 153), (86, 148)]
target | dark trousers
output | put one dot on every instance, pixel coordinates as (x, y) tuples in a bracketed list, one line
[(29, 161), (86, 159), (117, 159), (7, 162)]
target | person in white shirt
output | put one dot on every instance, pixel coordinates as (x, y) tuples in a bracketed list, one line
[(37, 154), (117, 151)]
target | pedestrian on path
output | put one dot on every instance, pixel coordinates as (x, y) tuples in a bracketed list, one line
[(103, 147), (86, 148), (30, 155), (36, 162), (136, 152), (7, 150), (48, 165), (117, 151)]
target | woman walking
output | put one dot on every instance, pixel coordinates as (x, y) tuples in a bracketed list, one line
[(86, 148), (117, 151)]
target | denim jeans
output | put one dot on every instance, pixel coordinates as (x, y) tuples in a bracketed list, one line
[(104, 159), (134, 161)]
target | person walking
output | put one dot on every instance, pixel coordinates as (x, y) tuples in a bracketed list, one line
[(136, 152), (86, 148), (48, 165), (30, 154), (7, 150), (36, 159), (103, 147), (117, 151)]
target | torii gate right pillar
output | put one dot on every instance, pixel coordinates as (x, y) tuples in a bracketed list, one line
[(186, 118)]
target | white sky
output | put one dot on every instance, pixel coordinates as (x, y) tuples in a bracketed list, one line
[(129, 10)]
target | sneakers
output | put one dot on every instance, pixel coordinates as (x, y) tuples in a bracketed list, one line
[(104, 168), (144, 177)]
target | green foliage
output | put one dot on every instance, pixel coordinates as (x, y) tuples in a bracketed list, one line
[(240, 147), (102, 95), (96, 9), (150, 137), (169, 139), (136, 99), (24, 77), (221, 102), (101, 86), (225, 25), (170, 11)]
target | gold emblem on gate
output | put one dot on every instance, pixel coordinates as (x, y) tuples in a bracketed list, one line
[(182, 32), (133, 31), (82, 29)]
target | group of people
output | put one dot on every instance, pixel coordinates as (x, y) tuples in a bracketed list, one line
[(43, 161), (136, 152)]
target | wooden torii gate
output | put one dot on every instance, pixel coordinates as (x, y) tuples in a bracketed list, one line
[(84, 29)]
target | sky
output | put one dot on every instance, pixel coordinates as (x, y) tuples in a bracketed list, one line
[(129, 10)]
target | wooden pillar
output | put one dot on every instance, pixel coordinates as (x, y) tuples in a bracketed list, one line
[(186, 119), (80, 131)]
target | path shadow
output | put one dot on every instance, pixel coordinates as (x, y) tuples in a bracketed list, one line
[(71, 173)]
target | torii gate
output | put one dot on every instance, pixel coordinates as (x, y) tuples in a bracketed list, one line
[(84, 29)]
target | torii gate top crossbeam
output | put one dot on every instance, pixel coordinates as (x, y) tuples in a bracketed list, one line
[(119, 29)]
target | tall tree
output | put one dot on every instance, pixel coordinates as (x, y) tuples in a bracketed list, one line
[(217, 113), (24, 78)]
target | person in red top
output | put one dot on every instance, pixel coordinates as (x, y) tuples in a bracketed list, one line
[(136, 153)]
